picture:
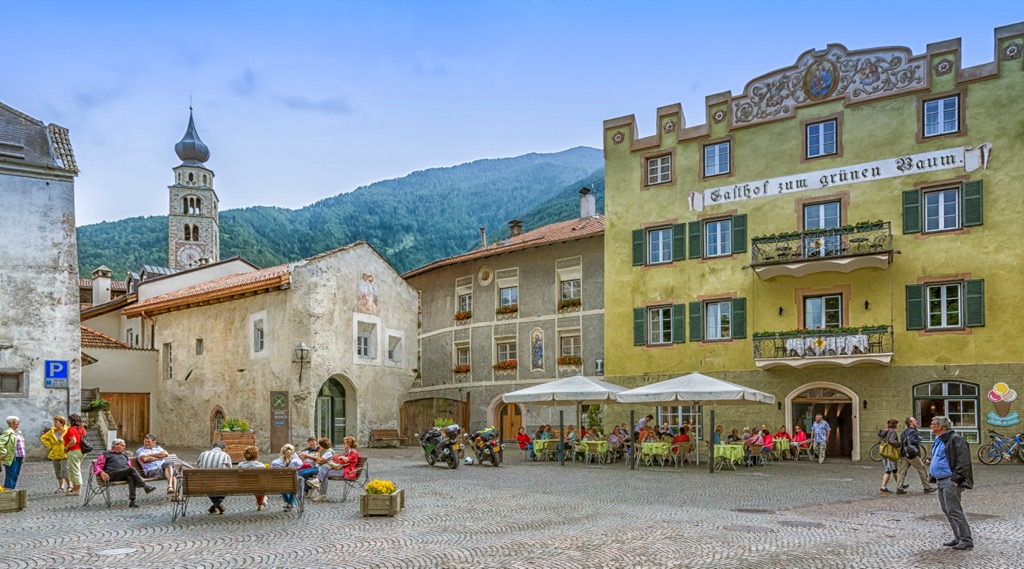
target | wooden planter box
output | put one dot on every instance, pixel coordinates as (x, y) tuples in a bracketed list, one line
[(235, 443), (382, 504), (12, 501)]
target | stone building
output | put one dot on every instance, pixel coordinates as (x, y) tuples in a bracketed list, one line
[(228, 348), (40, 343), (512, 314), (837, 234)]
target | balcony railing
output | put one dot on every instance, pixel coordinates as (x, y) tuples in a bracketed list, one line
[(841, 249), (824, 348)]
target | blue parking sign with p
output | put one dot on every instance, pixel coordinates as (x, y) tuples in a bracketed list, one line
[(56, 373)]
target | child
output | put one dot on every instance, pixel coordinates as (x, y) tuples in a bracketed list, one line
[(287, 460), (251, 454)]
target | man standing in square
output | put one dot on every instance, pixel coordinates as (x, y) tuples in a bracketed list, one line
[(950, 469), (820, 430)]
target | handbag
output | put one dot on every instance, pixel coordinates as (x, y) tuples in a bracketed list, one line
[(84, 444), (888, 451)]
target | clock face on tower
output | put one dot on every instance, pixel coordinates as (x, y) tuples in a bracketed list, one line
[(187, 256)]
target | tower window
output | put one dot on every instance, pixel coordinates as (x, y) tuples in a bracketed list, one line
[(191, 177), (195, 233), (188, 232), (204, 179)]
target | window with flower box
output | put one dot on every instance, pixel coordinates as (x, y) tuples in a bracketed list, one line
[(570, 350)]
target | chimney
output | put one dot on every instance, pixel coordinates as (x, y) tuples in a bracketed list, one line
[(101, 285), (588, 205), (515, 228), (483, 236)]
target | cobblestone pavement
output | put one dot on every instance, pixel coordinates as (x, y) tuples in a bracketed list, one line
[(529, 514)]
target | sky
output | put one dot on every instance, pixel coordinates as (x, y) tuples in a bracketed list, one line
[(300, 101)]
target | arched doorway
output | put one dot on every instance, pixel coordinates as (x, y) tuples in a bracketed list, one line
[(836, 404), (216, 420), (331, 416)]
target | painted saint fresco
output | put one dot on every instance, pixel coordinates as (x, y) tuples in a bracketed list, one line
[(366, 295), (537, 349)]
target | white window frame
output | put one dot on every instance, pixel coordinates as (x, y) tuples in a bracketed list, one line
[(824, 215), (824, 322), (505, 350), (508, 299), (462, 354), (956, 398), (570, 344), (395, 348), (366, 338), (659, 170), (939, 201), (721, 230), (718, 320), (659, 325), (936, 113), (678, 415), (944, 299), (573, 290), (168, 361), (259, 344), (465, 302), (825, 137), (659, 245), (714, 165)]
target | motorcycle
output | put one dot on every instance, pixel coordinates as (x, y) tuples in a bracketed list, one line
[(441, 445), (486, 446)]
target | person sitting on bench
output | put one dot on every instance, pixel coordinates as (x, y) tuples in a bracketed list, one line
[(151, 456), (115, 466)]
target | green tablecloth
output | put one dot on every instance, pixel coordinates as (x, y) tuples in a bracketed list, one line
[(732, 453), (781, 445), (600, 447), (541, 446)]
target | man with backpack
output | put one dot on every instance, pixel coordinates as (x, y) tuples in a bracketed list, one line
[(910, 455)]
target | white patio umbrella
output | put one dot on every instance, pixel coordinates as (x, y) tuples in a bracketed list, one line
[(577, 390), (695, 388)]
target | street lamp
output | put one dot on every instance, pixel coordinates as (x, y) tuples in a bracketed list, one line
[(302, 356)]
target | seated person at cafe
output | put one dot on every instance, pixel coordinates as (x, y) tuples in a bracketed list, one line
[(152, 458), (570, 434), (540, 432), (592, 435), (525, 442), (746, 434), (684, 434), (734, 436), (646, 435), (751, 440), (717, 436), (548, 433), (800, 437), (616, 441), (115, 466), (783, 434), (766, 440)]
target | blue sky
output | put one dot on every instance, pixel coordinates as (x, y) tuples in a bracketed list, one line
[(300, 101)]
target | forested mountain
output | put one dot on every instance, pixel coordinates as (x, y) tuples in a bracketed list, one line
[(411, 220)]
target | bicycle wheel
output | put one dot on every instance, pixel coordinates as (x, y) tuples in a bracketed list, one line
[(926, 450), (1020, 452), (989, 454), (875, 454)]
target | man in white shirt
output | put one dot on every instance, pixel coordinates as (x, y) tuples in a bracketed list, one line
[(151, 457), (215, 458)]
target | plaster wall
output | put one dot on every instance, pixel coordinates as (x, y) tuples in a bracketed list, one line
[(38, 297)]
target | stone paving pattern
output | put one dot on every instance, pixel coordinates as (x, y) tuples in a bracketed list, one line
[(530, 514)]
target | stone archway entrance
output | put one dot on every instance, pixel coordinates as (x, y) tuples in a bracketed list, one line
[(836, 404), (331, 411)]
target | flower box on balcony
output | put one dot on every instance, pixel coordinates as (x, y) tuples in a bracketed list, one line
[(834, 331), (507, 365), (463, 315), (461, 369), (569, 303), (507, 309), (574, 361)]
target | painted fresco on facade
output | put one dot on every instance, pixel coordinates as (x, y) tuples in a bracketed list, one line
[(366, 295), (1002, 397), (537, 349)]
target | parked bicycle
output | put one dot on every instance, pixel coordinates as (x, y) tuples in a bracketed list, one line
[(926, 451), (1002, 447)]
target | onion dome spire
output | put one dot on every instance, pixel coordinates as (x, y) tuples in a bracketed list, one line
[(191, 149)]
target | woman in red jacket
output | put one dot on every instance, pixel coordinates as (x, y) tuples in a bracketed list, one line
[(525, 442)]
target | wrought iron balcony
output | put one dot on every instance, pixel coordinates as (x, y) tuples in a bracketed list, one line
[(842, 249), (824, 348)]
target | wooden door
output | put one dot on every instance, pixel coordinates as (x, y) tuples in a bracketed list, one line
[(511, 420), (131, 411)]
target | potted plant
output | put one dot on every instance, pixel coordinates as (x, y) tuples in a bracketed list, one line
[(507, 309), (506, 365), (382, 498), (463, 315), (574, 361), (236, 435), (568, 303), (442, 422), (99, 405), (463, 368)]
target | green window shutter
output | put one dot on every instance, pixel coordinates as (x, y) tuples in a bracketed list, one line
[(915, 307), (678, 323), (973, 214), (638, 247), (739, 233), (696, 321), (974, 294), (639, 326), (912, 211), (679, 242), (739, 318), (696, 239)]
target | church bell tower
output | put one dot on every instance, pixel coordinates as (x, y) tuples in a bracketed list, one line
[(193, 226)]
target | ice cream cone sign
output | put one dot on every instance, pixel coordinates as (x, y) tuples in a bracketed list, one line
[(1002, 398)]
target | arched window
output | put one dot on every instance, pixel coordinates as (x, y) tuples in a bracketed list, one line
[(184, 204), (179, 177), (191, 177), (197, 206), (954, 399), (204, 179), (188, 232), (195, 233)]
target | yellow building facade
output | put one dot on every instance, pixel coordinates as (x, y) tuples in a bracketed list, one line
[(840, 234)]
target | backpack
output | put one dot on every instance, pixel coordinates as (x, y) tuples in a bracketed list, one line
[(910, 451), (84, 444)]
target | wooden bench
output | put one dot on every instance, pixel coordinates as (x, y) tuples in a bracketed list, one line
[(207, 482), (385, 436), (95, 486), (362, 477)]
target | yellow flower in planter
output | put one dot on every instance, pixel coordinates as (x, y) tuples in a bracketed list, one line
[(381, 487)]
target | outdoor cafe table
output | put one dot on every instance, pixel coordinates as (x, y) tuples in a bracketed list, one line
[(650, 450), (732, 453), (600, 448), (542, 446), (780, 445)]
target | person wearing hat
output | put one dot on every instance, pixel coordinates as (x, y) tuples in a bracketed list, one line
[(215, 458)]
